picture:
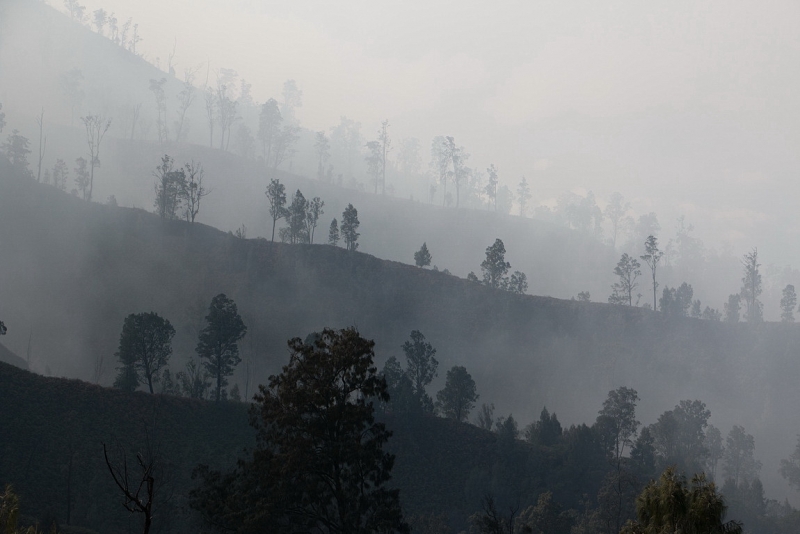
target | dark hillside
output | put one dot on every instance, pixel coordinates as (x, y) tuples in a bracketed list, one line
[(72, 271), (441, 468), (51, 447)]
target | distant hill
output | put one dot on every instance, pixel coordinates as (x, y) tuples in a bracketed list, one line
[(9, 357)]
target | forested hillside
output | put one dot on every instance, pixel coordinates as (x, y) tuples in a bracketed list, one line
[(76, 269)]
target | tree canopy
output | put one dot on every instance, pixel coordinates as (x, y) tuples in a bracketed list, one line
[(319, 463)]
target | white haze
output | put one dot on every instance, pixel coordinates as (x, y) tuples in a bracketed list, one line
[(687, 108)]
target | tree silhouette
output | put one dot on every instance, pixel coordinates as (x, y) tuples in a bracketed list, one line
[(145, 346), (788, 304), (218, 343), (319, 463), (350, 225), (422, 258), (495, 266), (333, 233), (627, 270), (276, 195), (652, 257), (458, 397)]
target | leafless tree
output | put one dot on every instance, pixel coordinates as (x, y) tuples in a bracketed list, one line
[(137, 484), (42, 144), (185, 100), (193, 190), (96, 128)]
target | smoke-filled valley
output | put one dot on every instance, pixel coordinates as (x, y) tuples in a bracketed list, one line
[(218, 318)]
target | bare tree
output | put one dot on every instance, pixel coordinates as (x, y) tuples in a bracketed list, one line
[(138, 489), (208, 98), (386, 145), (193, 190), (651, 257), (96, 128), (615, 211), (185, 99), (42, 144), (157, 88), (440, 161)]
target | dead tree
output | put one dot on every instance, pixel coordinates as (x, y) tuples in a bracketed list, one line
[(138, 489)]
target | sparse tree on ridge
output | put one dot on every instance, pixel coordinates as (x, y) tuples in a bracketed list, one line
[(157, 88), (751, 287), (333, 233), (193, 191), (350, 224), (16, 150), (652, 256), (733, 308), (440, 161), (517, 283), (276, 195), (96, 128), (385, 146), (269, 129), (218, 344), (491, 186), (169, 188), (523, 196), (82, 177), (60, 174), (296, 230), (627, 270), (458, 397), (145, 346), (788, 304), (185, 100), (292, 99), (322, 146), (495, 267), (313, 212), (615, 212), (42, 144), (422, 258), (374, 162)]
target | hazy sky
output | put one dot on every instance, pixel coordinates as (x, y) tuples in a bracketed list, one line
[(686, 107)]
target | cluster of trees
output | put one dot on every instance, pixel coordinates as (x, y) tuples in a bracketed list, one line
[(17, 147), (179, 191), (680, 443), (407, 387), (302, 217), (679, 302), (495, 271), (145, 348), (106, 24)]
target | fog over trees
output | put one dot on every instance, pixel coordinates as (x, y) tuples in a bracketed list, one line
[(535, 265)]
